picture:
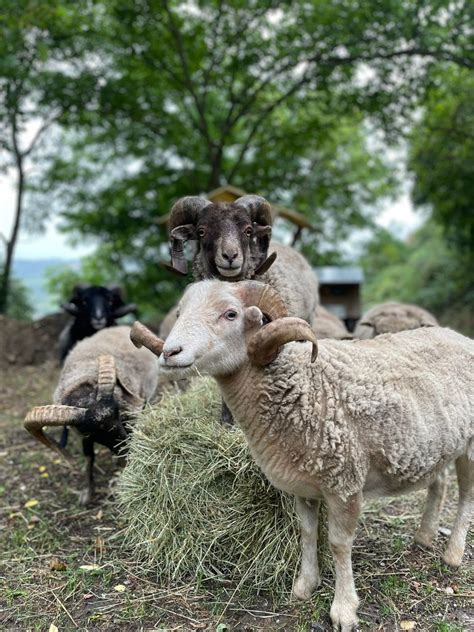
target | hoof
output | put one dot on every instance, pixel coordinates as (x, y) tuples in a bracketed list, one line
[(85, 497), (303, 589), (424, 539), (344, 617), (453, 559)]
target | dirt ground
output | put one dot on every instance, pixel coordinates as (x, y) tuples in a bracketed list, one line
[(67, 566)]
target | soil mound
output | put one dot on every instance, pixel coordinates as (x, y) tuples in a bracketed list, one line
[(30, 343)]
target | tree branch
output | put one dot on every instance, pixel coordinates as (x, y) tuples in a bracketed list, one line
[(176, 33)]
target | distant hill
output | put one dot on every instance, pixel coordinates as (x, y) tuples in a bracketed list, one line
[(31, 272)]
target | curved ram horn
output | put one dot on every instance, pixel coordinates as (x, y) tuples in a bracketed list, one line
[(53, 415), (124, 310), (263, 346), (185, 211), (263, 267), (142, 336), (264, 297), (257, 207), (106, 377), (170, 268)]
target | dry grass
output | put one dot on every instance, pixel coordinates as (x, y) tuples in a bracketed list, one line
[(198, 507)]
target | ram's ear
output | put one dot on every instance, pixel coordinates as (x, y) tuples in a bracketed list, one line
[(261, 231), (70, 308), (253, 317), (185, 232)]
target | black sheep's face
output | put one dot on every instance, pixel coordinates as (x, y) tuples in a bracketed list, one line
[(227, 239), (98, 305)]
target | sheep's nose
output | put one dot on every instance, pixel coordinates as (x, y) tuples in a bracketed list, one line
[(172, 352), (230, 256)]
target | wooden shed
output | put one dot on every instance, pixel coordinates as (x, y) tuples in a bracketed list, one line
[(340, 291)]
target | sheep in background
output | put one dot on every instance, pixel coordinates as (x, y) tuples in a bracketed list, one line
[(93, 307), (104, 380), (392, 318), (327, 325), (374, 417), (233, 241)]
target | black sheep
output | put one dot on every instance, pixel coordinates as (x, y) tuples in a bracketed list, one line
[(94, 307)]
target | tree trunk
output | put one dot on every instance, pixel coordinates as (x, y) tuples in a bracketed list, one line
[(214, 181), (11, 243)]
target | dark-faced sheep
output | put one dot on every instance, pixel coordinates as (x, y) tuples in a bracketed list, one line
[(93, 307), (104, 380), (233, 243)]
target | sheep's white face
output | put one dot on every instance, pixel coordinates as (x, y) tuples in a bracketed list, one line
[(209, 334)]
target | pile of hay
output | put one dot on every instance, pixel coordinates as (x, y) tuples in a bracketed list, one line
[(197, 507)]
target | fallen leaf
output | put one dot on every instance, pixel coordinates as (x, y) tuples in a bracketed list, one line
[(57, 461), (407, 625), (53, 628), (120, 588), (31, 503), (44, 475), (87, 596), (90, 567), (57, 565), (42, 468), (15, 514)]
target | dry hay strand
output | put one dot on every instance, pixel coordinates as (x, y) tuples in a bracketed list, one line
[(198, 508)]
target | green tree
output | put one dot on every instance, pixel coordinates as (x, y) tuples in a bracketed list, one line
[(442, 158), (39, 48), (271, 99), (20, 306), (425, 271)]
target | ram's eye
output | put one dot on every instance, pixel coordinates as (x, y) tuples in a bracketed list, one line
[(230, 314), (201, 231), (248, 231)]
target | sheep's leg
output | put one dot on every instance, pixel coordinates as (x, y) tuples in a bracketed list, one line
[(88, 450), (342, 523), (428, 528), (308, 579), (457, 541)]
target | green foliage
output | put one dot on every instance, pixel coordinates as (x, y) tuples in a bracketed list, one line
[(442, 157), (19, 305), (425, 271)]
